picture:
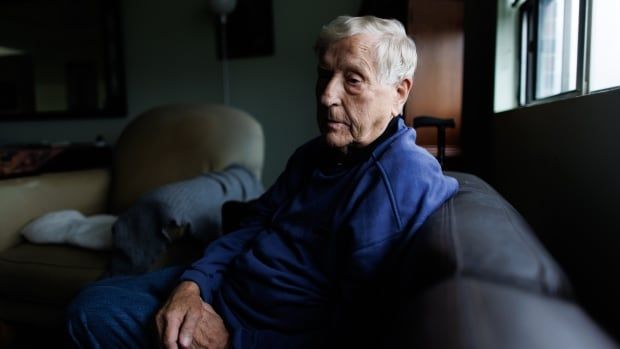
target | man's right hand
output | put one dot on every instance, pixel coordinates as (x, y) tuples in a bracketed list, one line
[(177, 320)]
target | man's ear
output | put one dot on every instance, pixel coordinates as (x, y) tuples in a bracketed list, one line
[(402, 94)]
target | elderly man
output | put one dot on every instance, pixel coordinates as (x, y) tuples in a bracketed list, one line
[(318, 241)]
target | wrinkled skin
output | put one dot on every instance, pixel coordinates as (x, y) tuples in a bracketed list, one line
[(185, 321), (353, 106)]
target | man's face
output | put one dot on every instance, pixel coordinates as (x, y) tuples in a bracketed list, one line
[(353, 107)]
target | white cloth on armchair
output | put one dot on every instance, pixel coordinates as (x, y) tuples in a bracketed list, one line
[(71, 227)]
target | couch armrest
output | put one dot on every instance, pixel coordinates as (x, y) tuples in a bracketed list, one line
[(463, 313), (26, 198)]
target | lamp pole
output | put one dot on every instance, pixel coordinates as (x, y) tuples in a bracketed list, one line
[(223, 8), (225, 79)]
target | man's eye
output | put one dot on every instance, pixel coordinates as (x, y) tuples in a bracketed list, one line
[(354, 81)]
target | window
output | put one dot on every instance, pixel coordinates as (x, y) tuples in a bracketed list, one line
[(556, 56), (604, 69), (567, 48)]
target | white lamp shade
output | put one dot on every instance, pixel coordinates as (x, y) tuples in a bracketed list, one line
[(222, 7)]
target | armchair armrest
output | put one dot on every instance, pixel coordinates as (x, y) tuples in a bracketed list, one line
[(26, 198)]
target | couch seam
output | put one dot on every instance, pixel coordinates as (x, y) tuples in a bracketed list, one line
[(452, 241), (542, 272), (46, 264)]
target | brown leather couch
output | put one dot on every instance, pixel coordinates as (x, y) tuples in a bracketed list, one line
[(163, 145)]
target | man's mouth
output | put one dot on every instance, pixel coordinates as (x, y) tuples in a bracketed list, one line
[(335, 125)]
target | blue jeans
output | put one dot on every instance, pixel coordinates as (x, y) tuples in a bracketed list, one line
[(119, 312)]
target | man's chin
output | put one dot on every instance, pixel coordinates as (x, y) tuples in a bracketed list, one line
[(336, 142)]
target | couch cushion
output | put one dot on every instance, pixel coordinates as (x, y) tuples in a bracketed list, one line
[(26, 198), (47, 274), (469, 313), (38, 281), (478, 234)]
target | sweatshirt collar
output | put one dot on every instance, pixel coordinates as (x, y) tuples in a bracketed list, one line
[(357, 155)]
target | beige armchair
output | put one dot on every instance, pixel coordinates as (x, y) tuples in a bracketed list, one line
[(163, 145)]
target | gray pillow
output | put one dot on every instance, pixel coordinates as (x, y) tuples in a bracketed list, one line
[(187, 208)]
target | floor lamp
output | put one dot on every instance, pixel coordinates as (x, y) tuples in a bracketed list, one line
[(223, 8)]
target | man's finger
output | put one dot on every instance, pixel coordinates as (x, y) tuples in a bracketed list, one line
[(186, 334), (171, 331), (159, 322), (208, 308)]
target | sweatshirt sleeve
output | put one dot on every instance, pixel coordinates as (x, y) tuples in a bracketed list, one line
[(208, 271)]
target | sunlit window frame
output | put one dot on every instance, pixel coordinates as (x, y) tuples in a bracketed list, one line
[(528, 15)]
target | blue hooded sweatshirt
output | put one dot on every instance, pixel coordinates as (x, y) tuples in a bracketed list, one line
[(319, 240)]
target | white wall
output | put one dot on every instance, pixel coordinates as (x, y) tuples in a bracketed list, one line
[(170, 57)]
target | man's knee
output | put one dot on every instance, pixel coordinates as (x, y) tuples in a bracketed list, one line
[(85, 317), (90, 307), (110, 316)]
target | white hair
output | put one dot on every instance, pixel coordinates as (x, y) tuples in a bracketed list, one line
[(395, 52)]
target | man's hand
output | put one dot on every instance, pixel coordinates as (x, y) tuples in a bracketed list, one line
[(211, 332), (186, 321)]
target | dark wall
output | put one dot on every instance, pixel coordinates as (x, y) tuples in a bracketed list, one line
[(558, 164), (478, 70)]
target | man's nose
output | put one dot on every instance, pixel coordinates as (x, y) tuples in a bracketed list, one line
[(330, 94)]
